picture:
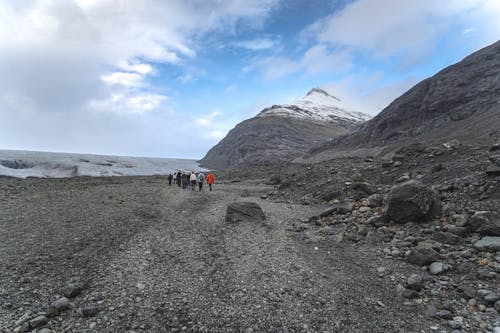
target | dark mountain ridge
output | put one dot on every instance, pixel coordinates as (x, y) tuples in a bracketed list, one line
[(461, 101)]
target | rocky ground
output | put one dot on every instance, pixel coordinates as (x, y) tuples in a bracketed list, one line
[(335, 253), (456, 251)]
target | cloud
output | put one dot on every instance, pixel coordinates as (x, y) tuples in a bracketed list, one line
[(256, 44), (368, 93), (123, 78), (410, 30), (74, 69), (128, 102), (317, 59)]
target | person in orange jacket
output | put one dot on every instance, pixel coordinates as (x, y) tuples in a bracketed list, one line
[(210, 180)]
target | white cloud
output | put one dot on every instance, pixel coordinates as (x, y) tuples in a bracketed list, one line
[(410, 29), (256, 44), (129, 103), (74, 75), (136, 67), (123, 78), (207, 120), (317, 59)]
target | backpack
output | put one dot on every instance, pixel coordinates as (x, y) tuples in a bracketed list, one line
[(201, 178)]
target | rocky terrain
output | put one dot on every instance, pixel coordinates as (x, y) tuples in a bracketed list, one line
[(407, 244), (433, 207), (460, 102), (284, 132)]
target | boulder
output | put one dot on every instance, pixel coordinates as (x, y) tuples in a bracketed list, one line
[(488, 243), (244, 211), (423, 255), (412, 201)]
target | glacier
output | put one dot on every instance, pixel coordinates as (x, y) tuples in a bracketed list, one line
[(23, 164)]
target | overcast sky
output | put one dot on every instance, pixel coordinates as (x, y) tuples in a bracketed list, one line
[(171, 78)]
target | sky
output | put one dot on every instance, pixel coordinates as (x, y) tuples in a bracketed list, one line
[(171, 78)]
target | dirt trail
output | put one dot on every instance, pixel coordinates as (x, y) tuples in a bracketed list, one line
[(160, 259)]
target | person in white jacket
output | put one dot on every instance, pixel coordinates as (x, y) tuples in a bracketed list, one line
[(193, 181)]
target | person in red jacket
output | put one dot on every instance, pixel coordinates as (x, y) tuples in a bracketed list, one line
[(210, 180)]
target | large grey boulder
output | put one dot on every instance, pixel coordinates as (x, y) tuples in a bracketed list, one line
[(411, 202), (244, 211)]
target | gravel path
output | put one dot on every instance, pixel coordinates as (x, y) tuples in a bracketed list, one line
[(160, 259)]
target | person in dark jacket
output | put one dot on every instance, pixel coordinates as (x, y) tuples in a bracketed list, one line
[(170, 177), (200, 179)]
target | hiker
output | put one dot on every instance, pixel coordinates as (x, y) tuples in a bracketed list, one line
[(192, 178), (170, 177), (185, 181), (179, 178), (201, 179), (210, 180)]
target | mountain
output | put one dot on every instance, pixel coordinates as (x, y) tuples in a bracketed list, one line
[(281, 133), (460, 102)]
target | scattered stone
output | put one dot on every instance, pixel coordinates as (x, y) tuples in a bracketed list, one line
[(38, 321), (412, 201), (45, 330), (90, 311), (491, 298), (364, 187), (415, 282), (446, 238), (437, 268), (59, 306), (488, 243), (375, 200), (490, 227), (244, 211), (423, 255), (409, 293), (444, 314), (72, 290)]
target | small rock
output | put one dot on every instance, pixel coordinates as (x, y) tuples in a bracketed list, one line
[(38, 321), (444, 314), (415, 282), (409, 293), (491, 298), (72, 290), (61, 304), (244, 211), (437, 268), (488, 243), (446, 238), (90, 311)]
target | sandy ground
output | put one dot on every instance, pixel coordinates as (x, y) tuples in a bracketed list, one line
[(155, 258)]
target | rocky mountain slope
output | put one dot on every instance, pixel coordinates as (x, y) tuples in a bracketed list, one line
[(284, 132), (462, 101)]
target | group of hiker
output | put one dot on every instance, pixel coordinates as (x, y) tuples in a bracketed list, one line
[(188, 181)]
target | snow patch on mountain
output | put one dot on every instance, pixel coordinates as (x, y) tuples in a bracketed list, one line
[(317, 105)]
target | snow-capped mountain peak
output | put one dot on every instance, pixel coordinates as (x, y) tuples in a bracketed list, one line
[(317, 105)]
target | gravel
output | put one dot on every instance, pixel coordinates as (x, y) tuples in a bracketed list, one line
[(136, 255)]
